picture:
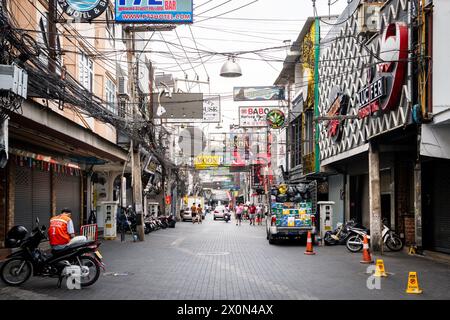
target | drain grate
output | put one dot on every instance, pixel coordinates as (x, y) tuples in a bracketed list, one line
[(213, 253)]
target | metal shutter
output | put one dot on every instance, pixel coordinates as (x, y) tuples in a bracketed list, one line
[(68, 196), (41, 205), (441, 207), (23, 198)]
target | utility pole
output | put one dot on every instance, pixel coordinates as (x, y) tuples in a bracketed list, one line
[(135, 156), (52, 32), (374, 197)]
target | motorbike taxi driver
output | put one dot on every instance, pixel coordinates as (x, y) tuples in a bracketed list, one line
[(61, 229)]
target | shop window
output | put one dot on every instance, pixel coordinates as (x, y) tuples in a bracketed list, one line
[(110, 96), (86, 71)]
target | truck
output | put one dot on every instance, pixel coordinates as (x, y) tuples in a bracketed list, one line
[(288, 220)]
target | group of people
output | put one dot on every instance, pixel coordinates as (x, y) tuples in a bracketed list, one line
[(197, 213), (249, 211)]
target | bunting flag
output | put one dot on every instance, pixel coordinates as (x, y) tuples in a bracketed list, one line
[(42, 165)]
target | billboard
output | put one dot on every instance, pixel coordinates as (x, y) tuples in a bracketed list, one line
[(179, 106), (155, 11), (254, 116), (272, 93)]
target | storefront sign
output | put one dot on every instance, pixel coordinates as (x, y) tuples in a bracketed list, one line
[(206, 161), (85, 10), (155, 11), (211, 109), (151, 165), (273, 93), (254, 116), (338, 107), (276, 119), (383, 93)]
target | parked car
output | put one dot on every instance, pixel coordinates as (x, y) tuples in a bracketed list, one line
[(219, 212), (186, 215)]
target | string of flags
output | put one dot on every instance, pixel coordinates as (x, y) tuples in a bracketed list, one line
[(42, 165)]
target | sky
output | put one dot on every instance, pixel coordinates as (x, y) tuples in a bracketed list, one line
[(262, 24)]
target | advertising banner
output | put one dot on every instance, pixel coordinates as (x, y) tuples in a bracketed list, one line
[(155, 11), (271, 93), (84, 10), (206, 161), (254, 116), (211, 109)]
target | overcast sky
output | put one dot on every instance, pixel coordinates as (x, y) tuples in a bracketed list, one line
[(274, 22)]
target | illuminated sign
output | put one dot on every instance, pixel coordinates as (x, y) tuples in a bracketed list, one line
[(85, 10), (338, 107), (154, 11), (275, 119)]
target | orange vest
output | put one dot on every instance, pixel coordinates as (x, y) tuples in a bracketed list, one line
[(57, 232)]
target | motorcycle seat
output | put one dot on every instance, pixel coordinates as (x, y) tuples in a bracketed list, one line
[(57, 251)]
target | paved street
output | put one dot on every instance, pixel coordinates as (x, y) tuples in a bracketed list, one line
[(216, 260)]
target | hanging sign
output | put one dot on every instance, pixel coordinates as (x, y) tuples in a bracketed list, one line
[(211, 109), (155, 11), (254, 116), (276, 119), (206, 161), (339, 105), (85, 10), (272, 93), (385, 81)]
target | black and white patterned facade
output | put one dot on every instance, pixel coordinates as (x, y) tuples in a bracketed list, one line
[(344, 62)]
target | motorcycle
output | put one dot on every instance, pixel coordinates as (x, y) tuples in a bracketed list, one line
[(390, 239), (29, 260), (227, 217), (340, 234)]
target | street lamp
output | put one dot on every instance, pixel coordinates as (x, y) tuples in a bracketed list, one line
[(231, 69)]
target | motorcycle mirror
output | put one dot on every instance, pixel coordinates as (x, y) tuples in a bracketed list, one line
[(37, 221)]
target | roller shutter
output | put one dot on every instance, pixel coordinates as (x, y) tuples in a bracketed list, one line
[(441, 207), (41, 197), (68, 195)]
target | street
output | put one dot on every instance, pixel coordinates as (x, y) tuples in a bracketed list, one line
[(217, 260)]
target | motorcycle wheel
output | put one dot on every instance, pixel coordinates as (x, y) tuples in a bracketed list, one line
[(94, 270), (10, 267), (354, 243), (394, 243)]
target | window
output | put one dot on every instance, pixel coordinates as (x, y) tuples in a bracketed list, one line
[(110, 96), (86, 68), (308, 143), (296, 130)]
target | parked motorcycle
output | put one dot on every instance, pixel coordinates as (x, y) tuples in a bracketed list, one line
[(340, 234), (29, 260), (390, 239)]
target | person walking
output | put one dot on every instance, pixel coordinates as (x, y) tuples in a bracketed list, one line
[(199, 213), (259, 214), (194, 213), (245, 211), (252, 212), (239, 210)]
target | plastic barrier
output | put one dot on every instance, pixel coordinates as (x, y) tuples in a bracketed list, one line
[(90, 231)]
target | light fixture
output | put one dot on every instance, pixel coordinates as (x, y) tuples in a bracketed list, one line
[(231, 69)]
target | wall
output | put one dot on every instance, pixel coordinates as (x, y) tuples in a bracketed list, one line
[(441, 48), (335, 184)]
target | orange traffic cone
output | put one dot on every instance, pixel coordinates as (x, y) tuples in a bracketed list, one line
[(366, 252), (309, 245)]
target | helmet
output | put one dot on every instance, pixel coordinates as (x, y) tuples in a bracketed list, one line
[(15, 236)]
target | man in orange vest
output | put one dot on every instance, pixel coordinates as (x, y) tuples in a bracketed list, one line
[(61, 229)]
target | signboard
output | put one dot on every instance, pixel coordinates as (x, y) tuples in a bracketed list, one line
[(85, 10), (254, 116), (211, 109), (154, 11), (151, 165), (179, 106), (338, 107), (271, 93), (385, 82), (275, 119), (206, 161)]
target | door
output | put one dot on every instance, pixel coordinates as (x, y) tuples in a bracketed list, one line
[(68, 195)]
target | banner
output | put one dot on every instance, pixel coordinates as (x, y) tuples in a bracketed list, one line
[(155, 11), (211, 109), (206, 161), (254, 116)]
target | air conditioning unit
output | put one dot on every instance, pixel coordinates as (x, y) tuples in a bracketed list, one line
[(123, 86), (14, 79), (369, 17)]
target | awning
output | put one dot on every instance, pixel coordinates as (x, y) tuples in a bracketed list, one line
[(435, 141)]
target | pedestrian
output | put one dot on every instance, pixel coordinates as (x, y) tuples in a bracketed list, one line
[(259, 214), (199, 213), (245, 213), (194, 213), (252, 212), (239, 210)]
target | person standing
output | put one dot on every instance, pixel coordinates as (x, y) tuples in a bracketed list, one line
[(259, 213), (239, 210)]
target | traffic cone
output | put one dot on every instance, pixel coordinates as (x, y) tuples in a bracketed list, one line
[(379, 271), (309, 245), (413, 284), (366, 252)]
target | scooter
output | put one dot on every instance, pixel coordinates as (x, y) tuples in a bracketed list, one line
[(340, 234), (29, 260), (227, 217)]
